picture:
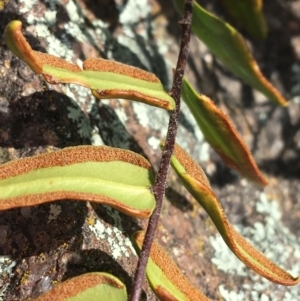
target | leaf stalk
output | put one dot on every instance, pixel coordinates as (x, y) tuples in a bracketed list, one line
[(161, 176)]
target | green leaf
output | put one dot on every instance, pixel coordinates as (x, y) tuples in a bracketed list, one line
[(87, 287), (114, 177), (164, 276), (249, 14), (221, 135), (230, 48), (106, 79), (195, 181)]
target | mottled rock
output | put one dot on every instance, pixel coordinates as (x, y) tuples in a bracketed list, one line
[(43, 245)]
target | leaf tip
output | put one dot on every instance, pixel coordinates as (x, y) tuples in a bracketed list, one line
[(17, 43)]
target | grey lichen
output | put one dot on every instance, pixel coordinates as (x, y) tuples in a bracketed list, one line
[(6, 271), (55, 211), (118, 243)]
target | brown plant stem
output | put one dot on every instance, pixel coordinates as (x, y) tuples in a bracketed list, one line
[(161, 176)]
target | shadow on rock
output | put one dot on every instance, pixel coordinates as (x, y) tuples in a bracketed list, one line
[(44, 118), (39, 239)]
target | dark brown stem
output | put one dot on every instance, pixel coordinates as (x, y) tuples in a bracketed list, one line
[(161, 176)]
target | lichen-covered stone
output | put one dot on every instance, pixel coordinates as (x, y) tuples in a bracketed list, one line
[(43, 245)]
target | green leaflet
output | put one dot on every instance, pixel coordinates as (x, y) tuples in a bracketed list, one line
[(249, 14), (221, 135), (106, 79), (111, 176), (195, 181), (230, 48), (164, 276), (87, 287)]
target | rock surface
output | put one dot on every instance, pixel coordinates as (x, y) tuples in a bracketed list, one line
[(43, 245)]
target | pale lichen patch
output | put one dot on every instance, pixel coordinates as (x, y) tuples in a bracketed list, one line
[(26, 6), (6, 271), (154, 142), (55, 211), (231, 295), (151, 117), (124, 242), (119, 244), (141, 8), (121, 115)]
